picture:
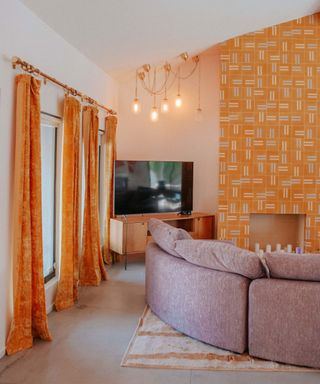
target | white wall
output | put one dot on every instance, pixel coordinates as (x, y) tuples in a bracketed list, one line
[(23, 34), (177, 136)]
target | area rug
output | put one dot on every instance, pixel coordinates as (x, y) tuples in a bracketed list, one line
[(157, 345)]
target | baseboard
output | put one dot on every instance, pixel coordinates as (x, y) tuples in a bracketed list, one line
[(51, 288), (49, 308), (2, 352)]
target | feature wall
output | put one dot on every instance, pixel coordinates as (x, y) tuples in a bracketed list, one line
[(269, 127)]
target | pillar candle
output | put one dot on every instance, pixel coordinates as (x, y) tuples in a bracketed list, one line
[(256, 247), (289, 248), (278, 247), (268, 248)]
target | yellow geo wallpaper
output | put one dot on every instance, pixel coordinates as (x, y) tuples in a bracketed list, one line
[(270, 133)]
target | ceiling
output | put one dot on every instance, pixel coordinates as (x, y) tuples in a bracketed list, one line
[(121, 35)]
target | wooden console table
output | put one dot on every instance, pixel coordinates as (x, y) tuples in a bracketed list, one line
[(129, 234)]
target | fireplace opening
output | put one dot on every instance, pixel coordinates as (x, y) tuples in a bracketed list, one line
[(273, 229)]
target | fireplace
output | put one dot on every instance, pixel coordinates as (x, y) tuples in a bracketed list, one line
[(275, 229), (269, 161)]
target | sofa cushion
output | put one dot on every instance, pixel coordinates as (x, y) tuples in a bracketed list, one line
[(294, 267), (221, 256), (165, 235)]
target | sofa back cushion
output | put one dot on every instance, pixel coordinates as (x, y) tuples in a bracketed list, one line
[(294, 267), (166, 236), (221, 256)]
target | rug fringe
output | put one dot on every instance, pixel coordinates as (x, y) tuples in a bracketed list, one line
[(135, 334)]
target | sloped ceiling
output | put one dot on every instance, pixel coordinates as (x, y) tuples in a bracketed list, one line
[(121, 35)]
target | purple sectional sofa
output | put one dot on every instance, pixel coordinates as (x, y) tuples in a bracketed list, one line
[(218, 293), (209, 305)]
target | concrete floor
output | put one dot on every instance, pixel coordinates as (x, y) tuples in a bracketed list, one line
[(91, 338)]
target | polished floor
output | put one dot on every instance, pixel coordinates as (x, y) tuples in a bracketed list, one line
[(91, 338)]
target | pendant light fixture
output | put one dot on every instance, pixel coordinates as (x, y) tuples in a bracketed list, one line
[(136, 104), (178, 101), (165, 102), (168, 78), (154, 115), (165, 105), (199, 115)]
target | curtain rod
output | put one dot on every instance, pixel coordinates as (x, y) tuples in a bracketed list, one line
[(16, 61)]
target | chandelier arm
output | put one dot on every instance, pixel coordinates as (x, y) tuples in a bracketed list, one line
[(154, 82), (161, 91), (152, 91), (145, 87), (186, 76), (172, 82)]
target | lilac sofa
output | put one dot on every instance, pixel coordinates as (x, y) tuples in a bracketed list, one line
[(211, 296), (209, 305)]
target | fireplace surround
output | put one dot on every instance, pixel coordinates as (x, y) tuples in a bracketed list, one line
[(269, 129)]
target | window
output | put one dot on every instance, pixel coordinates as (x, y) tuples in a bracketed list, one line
[(48, 175), (101, 186)]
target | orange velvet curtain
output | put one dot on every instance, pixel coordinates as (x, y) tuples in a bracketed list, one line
[(29, 319), (92, 269), (111, 154), (67, 292)]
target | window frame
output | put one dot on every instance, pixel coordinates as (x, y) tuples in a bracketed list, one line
[(55, 123)]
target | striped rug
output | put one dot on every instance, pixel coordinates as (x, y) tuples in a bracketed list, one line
[(157, 345)]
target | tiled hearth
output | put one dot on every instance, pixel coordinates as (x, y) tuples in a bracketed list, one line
[(270, 128)]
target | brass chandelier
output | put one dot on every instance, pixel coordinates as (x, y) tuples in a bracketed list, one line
[(147, 77)]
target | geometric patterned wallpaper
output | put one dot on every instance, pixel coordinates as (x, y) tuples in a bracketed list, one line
[(270, 128)]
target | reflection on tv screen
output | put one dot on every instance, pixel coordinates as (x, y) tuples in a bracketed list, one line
[(151, 186)]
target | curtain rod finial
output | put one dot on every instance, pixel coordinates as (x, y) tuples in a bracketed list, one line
[(14, 61)]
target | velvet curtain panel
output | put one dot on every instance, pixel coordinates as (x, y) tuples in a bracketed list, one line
[(29, 319), (67, 292), (111, 129), (92, 269)]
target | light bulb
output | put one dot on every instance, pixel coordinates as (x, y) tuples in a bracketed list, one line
[(154, 115), (199, 115), (136, 105), (178, 101), (164, 105)]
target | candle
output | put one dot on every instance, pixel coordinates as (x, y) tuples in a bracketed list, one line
[(256, 247), (268, 248), (260, 252), (278, 247), (289, 248)]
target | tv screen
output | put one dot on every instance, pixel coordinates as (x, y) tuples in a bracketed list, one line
[(152, 186)]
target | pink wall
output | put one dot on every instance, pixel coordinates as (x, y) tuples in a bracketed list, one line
[(177, 136)]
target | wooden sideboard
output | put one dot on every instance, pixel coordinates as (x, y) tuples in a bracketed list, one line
[(129, 234)]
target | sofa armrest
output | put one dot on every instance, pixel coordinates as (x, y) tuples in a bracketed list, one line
[(208, 305)]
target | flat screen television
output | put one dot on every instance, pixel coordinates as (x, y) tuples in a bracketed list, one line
[(152, 186)]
